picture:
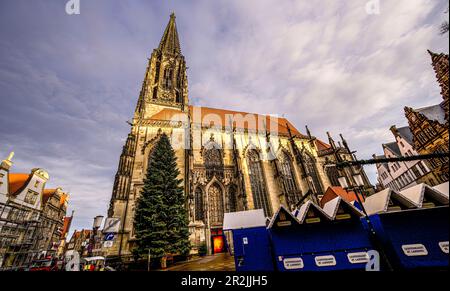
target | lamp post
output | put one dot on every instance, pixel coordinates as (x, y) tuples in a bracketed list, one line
[(372, 234), (97, 223)]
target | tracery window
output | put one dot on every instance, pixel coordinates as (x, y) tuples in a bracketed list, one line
[(257, 181), (333, 175), (168, 76), (288, 176), (215, 204), (232, 199), (199, 211), (212, 157), (311, 171)]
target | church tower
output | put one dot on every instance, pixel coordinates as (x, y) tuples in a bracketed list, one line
[(440, 66), (165, 82)]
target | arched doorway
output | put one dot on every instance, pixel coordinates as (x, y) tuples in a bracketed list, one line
[(216, 212)]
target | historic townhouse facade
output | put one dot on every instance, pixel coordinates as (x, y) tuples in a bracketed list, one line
[(31, 217), (401, 175), (229, 161), (429, 125)]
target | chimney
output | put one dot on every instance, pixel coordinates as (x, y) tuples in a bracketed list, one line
[(394, 130), (7, 163)]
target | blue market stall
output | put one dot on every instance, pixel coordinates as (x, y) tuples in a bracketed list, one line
[(250, 240), (414, 238), (313, 239)]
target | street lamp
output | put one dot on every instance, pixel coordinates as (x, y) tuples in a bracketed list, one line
[(97, 223), (358, 180)]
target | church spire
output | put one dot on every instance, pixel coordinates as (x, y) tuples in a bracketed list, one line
[(170, 42)]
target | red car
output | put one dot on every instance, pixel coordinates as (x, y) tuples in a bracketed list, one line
[(47, 265)]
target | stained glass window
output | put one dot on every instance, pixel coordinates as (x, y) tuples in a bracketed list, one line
[(288, 176), (199, 211), (213, 161), (311, 171), (257, 181), (333, 175), (215, 204)]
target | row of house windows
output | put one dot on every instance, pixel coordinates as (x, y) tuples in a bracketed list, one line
[(406, 178)]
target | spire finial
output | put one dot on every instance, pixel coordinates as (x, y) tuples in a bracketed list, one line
[(170, 42)]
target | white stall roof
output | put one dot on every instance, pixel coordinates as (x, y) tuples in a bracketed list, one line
[(332, 206), (379, 202), (443, 188), (418, 192), (244, 219), (301, 214)]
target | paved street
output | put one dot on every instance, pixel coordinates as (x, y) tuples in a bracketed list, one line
[(218, 262)]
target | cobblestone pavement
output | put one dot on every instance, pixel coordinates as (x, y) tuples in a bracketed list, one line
[(218, 262)]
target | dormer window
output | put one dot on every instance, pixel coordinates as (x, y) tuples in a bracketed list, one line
[(31, 197)]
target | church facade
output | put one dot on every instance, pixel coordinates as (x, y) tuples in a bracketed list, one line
[(228, 160)]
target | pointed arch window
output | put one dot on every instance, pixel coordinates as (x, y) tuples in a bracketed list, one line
[(157, 69), (333, 175), (311, 172), (212, 157), (232, 199), (168, 76), (199, 210), (288, 176), (215, 204), (257, 183)]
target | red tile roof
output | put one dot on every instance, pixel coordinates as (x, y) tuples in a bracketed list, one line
[(210, 116), (17, 182), (321, 145), (335, 191), (66, 226)]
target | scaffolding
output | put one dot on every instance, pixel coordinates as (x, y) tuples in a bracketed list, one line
[(24, 235)]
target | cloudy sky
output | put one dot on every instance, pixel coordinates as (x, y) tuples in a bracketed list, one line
[(68, 83)]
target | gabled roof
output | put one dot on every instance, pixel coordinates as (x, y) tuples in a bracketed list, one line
[(379, 202), (443, 188), (244, 219), (393, 147), (418, 192), (434, 112), (321, 145), (382, 164), (283, 216), (301, 213), (406, 134), (337, 191), (331, 208), (17, 182)]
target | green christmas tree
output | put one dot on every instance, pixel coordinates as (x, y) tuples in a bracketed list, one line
[(161, 221)]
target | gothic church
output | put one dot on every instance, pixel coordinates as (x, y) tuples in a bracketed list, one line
[(229, 161)]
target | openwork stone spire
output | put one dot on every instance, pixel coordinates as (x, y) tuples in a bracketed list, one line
[(170, 42)]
